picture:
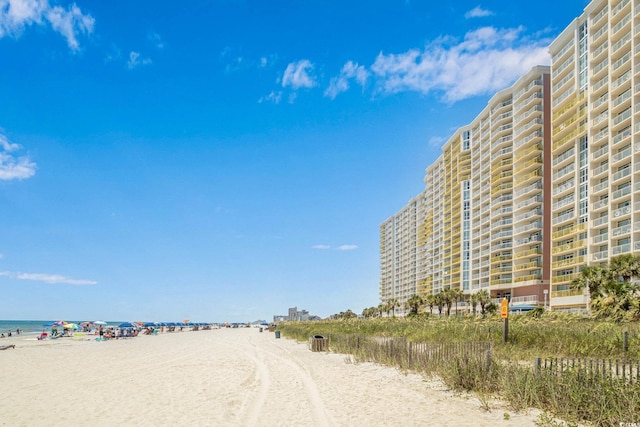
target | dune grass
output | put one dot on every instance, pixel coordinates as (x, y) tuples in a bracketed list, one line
[(504, 369)]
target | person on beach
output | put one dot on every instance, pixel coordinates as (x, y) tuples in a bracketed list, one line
[(9, 334), (54, 331), (101, 331), (2, 336)]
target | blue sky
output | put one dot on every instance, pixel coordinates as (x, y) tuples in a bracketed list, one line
[(225, 160)]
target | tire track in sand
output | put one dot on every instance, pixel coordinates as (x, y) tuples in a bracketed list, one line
[(321, 417), (261, 382)]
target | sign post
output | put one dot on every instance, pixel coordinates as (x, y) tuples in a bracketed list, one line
[(504, 313)]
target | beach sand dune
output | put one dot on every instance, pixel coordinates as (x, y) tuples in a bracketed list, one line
[(226, 377)]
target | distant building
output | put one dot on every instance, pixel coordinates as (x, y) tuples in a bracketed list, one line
[(295, 315)]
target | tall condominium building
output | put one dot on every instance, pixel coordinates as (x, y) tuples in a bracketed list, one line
[(545, 180), (482, 221), (595, 71), (398, 255)]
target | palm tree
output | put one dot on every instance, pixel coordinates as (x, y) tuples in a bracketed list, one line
[(438, 300), (382, 307), (613, 293), (391, 306), (448, 297), (413, 304), (594, 278), (349, 314), (431, 301), (473, 299), (484, 299), (369, 312), (456, 294), (625, 266)]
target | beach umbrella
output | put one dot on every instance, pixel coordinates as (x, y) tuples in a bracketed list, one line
[(149, 325), (100, 322), (49, 324), (125, 325), (70, 326)]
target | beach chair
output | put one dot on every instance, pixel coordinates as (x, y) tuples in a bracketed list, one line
[(43, 336)]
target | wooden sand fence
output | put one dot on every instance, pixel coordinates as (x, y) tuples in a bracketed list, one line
[(614, 369), (429, 357), (398, 351)]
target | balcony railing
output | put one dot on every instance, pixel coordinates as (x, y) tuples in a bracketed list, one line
[(527, 299)]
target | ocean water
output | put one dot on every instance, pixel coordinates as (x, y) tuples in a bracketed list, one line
[(34, 327)]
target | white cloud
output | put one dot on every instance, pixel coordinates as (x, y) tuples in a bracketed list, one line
[(298, 75), (70, 22), (267, 61), (113, 54), (487, 60), (156, 40), (16, 15), (436, 141), (235, 64), (347, 247), (6, 145), (274, 97), (478, 12), (12, 166), (47, 278), (350, 70), (134, 60), (321, 247)]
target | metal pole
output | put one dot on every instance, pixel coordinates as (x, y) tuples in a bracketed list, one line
[(505, 330)]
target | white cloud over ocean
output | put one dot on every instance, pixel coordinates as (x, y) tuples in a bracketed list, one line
[(47, 278)]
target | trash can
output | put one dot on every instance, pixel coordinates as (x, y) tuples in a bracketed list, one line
[(260, 329), (277, 334), (318, 343)]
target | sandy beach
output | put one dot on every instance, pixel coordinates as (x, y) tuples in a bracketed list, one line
[(225, 377)]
